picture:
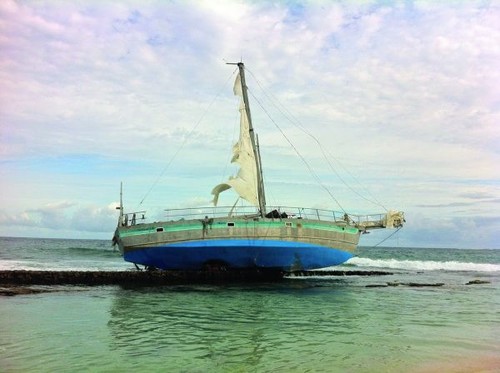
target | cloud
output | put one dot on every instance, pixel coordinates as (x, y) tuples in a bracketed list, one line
[(462, 204), (475, 232), (478, 195), (64, 216), (404, 97)]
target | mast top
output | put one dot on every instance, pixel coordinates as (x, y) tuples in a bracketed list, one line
[(239, 64)]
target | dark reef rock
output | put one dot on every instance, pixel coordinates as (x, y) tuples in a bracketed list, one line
[(338, 273), (421, 285), (408, 284), (394, 283), (478, 282), (17, 290), (144, 278), (96, 278)]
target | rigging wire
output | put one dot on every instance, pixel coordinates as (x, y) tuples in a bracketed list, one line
[(315, 176), (385, 239), (186, 138), (288, 115)]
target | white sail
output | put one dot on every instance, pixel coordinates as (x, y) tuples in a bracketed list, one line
[(245, 182)]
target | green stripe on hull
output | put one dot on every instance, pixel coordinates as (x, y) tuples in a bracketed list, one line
[(257, 225)]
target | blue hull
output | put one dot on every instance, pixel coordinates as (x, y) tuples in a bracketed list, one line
[(194, 255)]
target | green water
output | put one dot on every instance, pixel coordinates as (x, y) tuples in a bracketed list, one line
[(324, 324), (296, 326)]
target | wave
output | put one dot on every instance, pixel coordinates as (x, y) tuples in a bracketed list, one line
[(76, 265), (428, 265), (94, 251)]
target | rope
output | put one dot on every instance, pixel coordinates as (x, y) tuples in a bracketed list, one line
[(283, 110), (315, 176), (185, 141), (385, 239)]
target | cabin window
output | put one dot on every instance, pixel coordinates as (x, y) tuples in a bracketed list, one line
[(230, 224), (159, 229), (288, 224)]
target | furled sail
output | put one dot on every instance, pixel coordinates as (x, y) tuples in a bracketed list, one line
[(245, 182)]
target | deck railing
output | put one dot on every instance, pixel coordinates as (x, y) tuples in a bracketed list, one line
[(275, 212)]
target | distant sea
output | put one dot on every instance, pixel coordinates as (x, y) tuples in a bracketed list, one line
[(313, 324)]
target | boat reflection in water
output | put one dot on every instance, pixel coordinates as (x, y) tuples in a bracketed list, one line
[(240, 328)]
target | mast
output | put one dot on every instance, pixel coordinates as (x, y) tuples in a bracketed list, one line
[(262, 192), (260, 181)]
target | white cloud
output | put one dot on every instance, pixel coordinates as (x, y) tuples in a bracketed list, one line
[(65, 216), (405, 96)]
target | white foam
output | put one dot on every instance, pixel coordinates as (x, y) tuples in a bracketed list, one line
[(428, 265), (16, 265)]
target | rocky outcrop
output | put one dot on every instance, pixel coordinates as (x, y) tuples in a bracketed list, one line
[(339, 273), (144, 278), (96, 278), (478, 282)]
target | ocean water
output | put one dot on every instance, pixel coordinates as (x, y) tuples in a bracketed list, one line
[(313, 324)]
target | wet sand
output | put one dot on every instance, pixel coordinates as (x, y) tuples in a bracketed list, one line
[(466, 364)]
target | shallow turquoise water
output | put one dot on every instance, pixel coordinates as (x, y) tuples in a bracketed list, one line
[(299, 325)]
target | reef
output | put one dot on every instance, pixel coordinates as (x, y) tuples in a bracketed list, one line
[(19, 278), (478, 282), (409, 284)]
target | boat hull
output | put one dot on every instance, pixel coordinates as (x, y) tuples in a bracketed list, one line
[(239, 253), (282, 244)]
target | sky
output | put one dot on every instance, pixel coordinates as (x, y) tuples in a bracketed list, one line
[(392, 104)]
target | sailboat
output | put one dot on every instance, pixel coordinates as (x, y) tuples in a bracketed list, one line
[(257, 236)]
